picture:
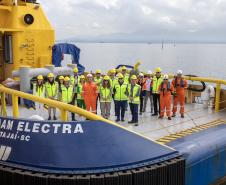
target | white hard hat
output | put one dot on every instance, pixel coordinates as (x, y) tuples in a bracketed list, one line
[(89, 76), (141, 75), (149, 72), (166, 77), (179, 72)]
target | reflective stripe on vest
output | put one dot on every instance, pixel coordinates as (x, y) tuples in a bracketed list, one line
[(156, 84), (51, 89), (67, 94), (135, 94), (105, 94), (121, 92)]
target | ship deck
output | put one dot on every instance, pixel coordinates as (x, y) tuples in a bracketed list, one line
[(149, 126)]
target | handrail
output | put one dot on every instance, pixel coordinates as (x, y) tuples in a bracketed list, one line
[(218, 83), (63, 107), (202, 79)]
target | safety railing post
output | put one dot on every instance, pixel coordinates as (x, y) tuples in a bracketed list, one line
[(15, 106), (217, 100), (3, 105), (64, 115)]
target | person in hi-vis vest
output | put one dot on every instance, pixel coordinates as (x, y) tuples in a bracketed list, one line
[(51, 92), (67, 93), (80, 98), (134, 99), (39, 90), (120, 91), (156, 82), (105, 97)]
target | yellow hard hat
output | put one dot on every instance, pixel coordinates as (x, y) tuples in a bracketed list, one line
[(50, 75), (106, 78), (113, 71), (82, 77), (66, 79), (61, 78), (98, 71), (134, 77), (75, 70), (124, 68), (158, 70), (120, 76), (118, 70), (40, 77)]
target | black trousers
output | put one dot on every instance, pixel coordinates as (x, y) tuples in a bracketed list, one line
[(134, 111), (141, 103), (156, 102), (120, 109)]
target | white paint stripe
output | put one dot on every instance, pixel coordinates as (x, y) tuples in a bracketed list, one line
[(2, 151), (7, 153)]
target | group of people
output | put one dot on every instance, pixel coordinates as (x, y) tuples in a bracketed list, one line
[(117, 86)]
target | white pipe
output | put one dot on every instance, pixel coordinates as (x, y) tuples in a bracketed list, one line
[(39, 71), (63, 71)]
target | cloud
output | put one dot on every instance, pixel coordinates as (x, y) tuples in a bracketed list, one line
[(146, 10), (138, 18)]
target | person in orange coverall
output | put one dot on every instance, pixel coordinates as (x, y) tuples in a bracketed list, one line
[(165, 89), (90, 93), (180, 85)]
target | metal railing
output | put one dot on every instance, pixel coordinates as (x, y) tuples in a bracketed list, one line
[(218, 83), (63, 107)]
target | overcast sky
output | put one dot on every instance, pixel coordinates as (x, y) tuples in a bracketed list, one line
[(191, 20)]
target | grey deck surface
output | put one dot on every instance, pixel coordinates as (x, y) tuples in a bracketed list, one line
[(149, 126)]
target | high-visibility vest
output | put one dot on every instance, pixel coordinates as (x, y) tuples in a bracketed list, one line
[(67, 94), (74, 81), (105, 94), (156, 84), (98, 81), (126, 78), (79, 92), (51, 90), (38, 90), (121, 92), (135, 93), (113, 82)]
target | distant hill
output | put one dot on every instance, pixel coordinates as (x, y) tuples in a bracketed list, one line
[(151, 37)]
